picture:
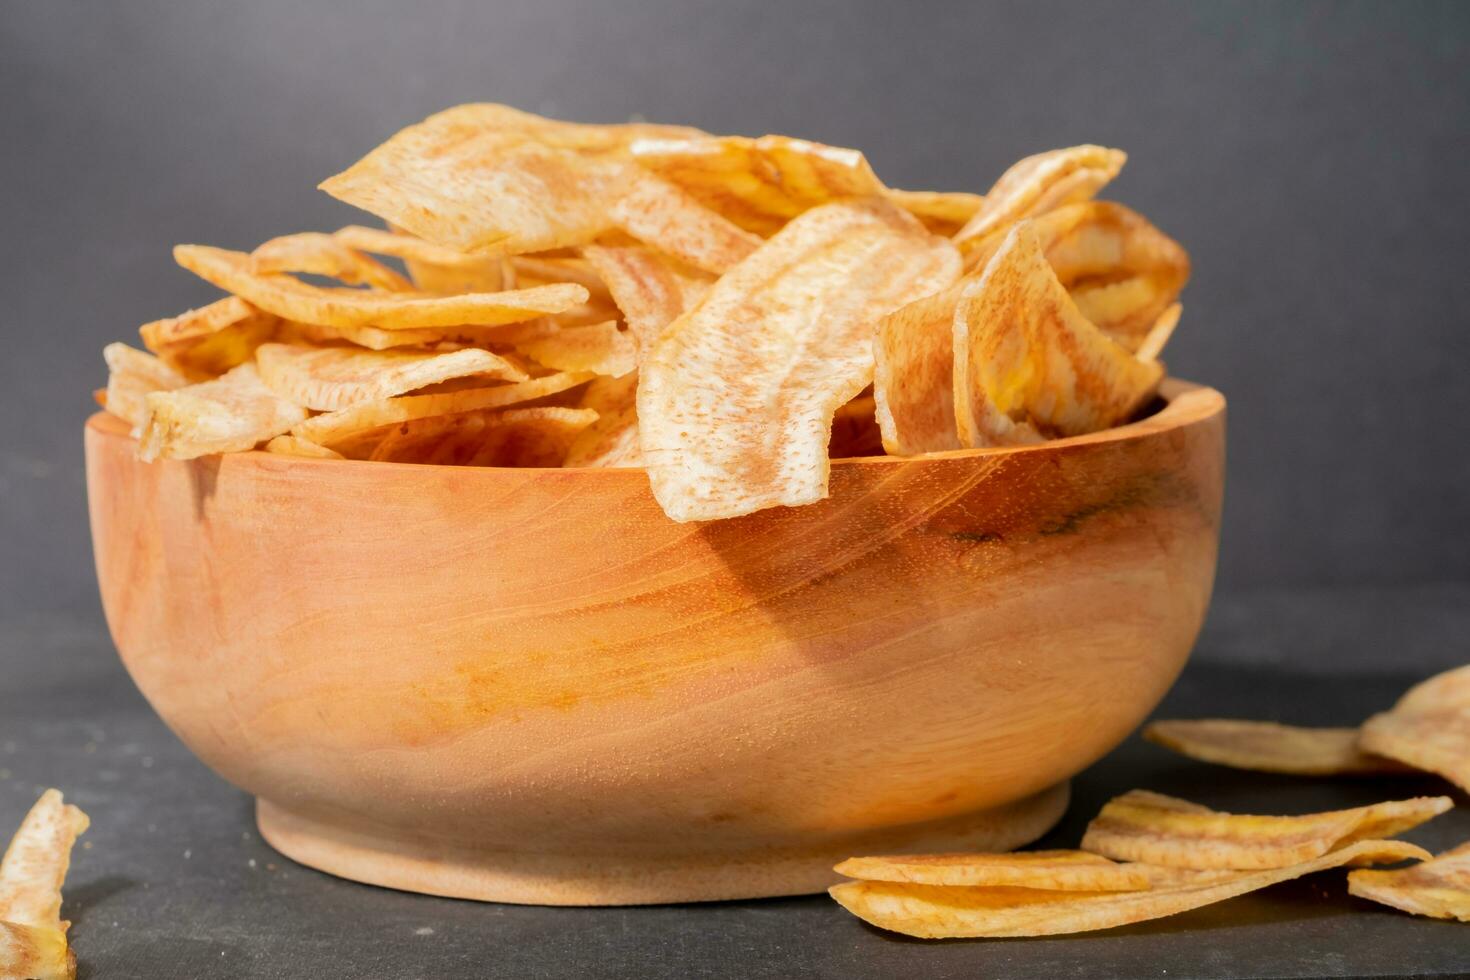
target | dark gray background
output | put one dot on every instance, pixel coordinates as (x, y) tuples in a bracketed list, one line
[(1313, 158)]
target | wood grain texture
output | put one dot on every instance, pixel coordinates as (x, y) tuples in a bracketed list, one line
[(434, 667)]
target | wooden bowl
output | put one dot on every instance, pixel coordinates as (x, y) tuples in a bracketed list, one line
[(530, 686)]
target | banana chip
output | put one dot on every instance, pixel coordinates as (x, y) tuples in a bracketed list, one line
[(1027, 362), (515, 437), (324, 255), (1265, 746), (131, 377), (537, 270), (439, 338), (1156, 829), (1158, 335), (205, 343), (1038, 184), (601, 348), (482, 177), (289, 445), (293, 299), (1428, 729), (1070, 871), (233, 413), (943, 212), (659, 214), (913, 375), (336, 427), (613, 439), (650, 290), (328, 379), (32, 932), (759, 184), (736, 397), (1439, 887), (949, 912)]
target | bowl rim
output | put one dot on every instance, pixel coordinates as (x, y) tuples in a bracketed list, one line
[(1185, 403)]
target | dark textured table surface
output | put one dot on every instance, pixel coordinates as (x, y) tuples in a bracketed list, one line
[(173, 881)]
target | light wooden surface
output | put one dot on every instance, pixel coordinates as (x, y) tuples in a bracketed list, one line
[(529, 685)]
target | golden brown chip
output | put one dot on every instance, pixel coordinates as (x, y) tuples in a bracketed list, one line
[(1428, 729), (36, 861), (736, 397), (657, 213), (482, 177), (324, 255), (1027, 363), (1038, 184), (855, 430), (943, 212), (950, 912), (439, 338), (759, 184), (538, 437), (1122, 271), (328, 379), (1439, 887), (1049, 870), (601, 349), (650, 290), (1158, 335), (205, 343), (383, 241), (334, 428), (1265, 746), (233, 413), (1148, 827), (913, 375), (132, 376), (293, 299), (35, 953), (289, 445), (613, 439)]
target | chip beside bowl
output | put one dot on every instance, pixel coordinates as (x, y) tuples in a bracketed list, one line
[(529, 685)]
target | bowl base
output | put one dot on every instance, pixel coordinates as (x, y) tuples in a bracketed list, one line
[(592, 878)]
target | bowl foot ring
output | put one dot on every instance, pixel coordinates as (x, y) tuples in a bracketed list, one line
[(591, 878)]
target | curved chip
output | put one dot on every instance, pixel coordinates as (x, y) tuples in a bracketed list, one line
[(1121, 270), (1264, 746), (649, 289), (483, 176), (601, 349), (736, 398), (913, 375), (440, 338), (383, 241), (206, 342), (537, 270), (233, 413), (1428, 729), (942, 212), (1050, 870), (336, 427), (1158, 335), (613, 439), (35, 863), (132, 376), (328, 379), (759, 184), (537, 437), (289, 445), (293, 299), (1038, 184), (657, 213), (1439, 887), (324, 255), (1027, 363), (1155, 829), (35, 953), (948, 912)]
